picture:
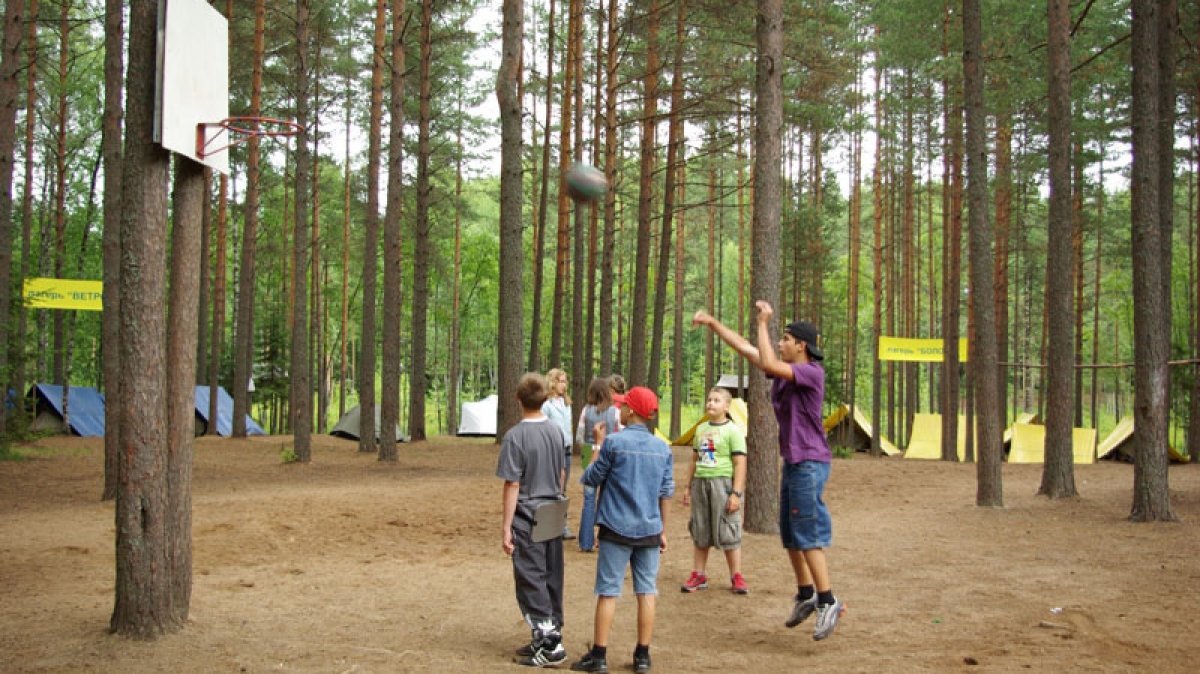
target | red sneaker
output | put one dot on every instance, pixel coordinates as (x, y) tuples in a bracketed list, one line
[(696, 581), (739, 584)]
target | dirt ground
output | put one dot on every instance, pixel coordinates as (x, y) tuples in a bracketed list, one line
[(348, 565)]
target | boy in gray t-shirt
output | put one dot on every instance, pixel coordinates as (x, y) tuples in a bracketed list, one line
[(532, 465)]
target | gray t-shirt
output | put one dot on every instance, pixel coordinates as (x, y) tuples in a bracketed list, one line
[(532, 456)]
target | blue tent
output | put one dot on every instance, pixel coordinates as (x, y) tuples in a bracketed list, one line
[(85, 409), (224, 413)]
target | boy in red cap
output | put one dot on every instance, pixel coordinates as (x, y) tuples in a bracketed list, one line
[(634, 472), (797, 388)]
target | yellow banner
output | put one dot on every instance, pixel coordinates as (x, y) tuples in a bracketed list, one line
[(59, 293), (921, 350)]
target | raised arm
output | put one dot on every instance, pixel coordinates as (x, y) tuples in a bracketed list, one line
[(768, 361), (727, 335)]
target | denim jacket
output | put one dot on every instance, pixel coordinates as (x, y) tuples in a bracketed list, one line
[(636, 470)]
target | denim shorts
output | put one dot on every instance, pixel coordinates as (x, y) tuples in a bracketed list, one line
[(610, 569), (804, 522)]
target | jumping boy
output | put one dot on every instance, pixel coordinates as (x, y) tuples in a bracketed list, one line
[(716, 478), (797, 389), (634, 471), (532, 466)]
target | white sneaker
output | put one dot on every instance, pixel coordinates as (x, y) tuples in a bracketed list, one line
[(827, 619)]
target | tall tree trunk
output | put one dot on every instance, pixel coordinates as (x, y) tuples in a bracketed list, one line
[(539, 257), (1003, 205), (300, 377), (578, 325), (343, 365), (389, 414), (455, 367), (762, 478), (1077, 278), (182, 337), (370, 266), (1058, 477), (143, 602), (110, 326), (218, 323), (422, 246), (60, 196), (641, 272), (243, 348), (16, 351), (610, 196), (9, 69), (510, 321), (951, 265), (562, 251), (1153, 49), (674, 154), (989, 490), (877, 268)]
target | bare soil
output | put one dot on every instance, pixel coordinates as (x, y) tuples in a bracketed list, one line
[(351, 565)]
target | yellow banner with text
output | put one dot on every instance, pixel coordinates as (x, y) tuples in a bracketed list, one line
[(920, 350), (60, 293)]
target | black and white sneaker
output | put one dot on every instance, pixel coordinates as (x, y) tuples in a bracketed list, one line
[(544, 655)]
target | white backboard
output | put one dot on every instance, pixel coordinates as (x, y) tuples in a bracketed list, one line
[(193, 79)]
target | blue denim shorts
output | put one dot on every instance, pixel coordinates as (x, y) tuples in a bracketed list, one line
[(804, 522), (610, 569)]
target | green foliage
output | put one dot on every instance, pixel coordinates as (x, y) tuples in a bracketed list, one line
[(288, 455)]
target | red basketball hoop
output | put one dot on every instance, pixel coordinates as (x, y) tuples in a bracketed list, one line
[(237, 130)]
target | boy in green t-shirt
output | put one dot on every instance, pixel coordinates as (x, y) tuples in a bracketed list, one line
[(715, 482)]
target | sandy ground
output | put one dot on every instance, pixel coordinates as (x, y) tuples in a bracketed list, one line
[(349, 565)]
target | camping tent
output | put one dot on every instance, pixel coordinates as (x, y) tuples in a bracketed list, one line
[(854, 431), (925, 440), (1029, 444), (737, 412), (348, 426), (85, 409), (737, 386), (1119, 444), (479, 417), (224, 413)]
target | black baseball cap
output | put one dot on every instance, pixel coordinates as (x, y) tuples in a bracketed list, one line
[(809, 334)]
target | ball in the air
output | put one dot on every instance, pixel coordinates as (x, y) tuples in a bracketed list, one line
[(586, 182)]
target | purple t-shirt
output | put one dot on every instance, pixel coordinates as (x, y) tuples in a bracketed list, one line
[(798, 410)]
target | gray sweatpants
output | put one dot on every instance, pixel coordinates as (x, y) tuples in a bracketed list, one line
[(538, 576)]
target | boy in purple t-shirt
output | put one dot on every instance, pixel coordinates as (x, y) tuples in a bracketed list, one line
[(797, 389)]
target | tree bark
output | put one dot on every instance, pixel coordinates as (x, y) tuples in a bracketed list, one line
[(389, 414), (1058, 478), (985, 374), (1153, 53), (370, 265), (110, 326), (641, 272), (762, 503), (300, 377), (143, 605), (9, 68), (243, 348), (510, 319)]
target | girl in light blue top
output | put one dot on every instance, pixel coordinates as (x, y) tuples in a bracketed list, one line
[(557, 408)]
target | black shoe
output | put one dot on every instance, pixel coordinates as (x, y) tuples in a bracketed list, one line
[(525, 651), (641, 663), (590, 663), (544, 655)]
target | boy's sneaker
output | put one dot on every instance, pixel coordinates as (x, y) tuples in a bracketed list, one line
[(739, 584), (641, 662), (696, 581), (801, 610), (544, 655), (590, 663), (827, 619)]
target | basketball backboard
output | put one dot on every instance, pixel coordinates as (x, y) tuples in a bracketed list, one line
[(193, 79)]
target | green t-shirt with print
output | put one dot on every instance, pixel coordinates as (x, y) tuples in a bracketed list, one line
[(715, 445)]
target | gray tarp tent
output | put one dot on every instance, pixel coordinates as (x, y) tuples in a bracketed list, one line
[(347, 427)]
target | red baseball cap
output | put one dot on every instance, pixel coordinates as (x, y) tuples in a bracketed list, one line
[(640, 399)]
